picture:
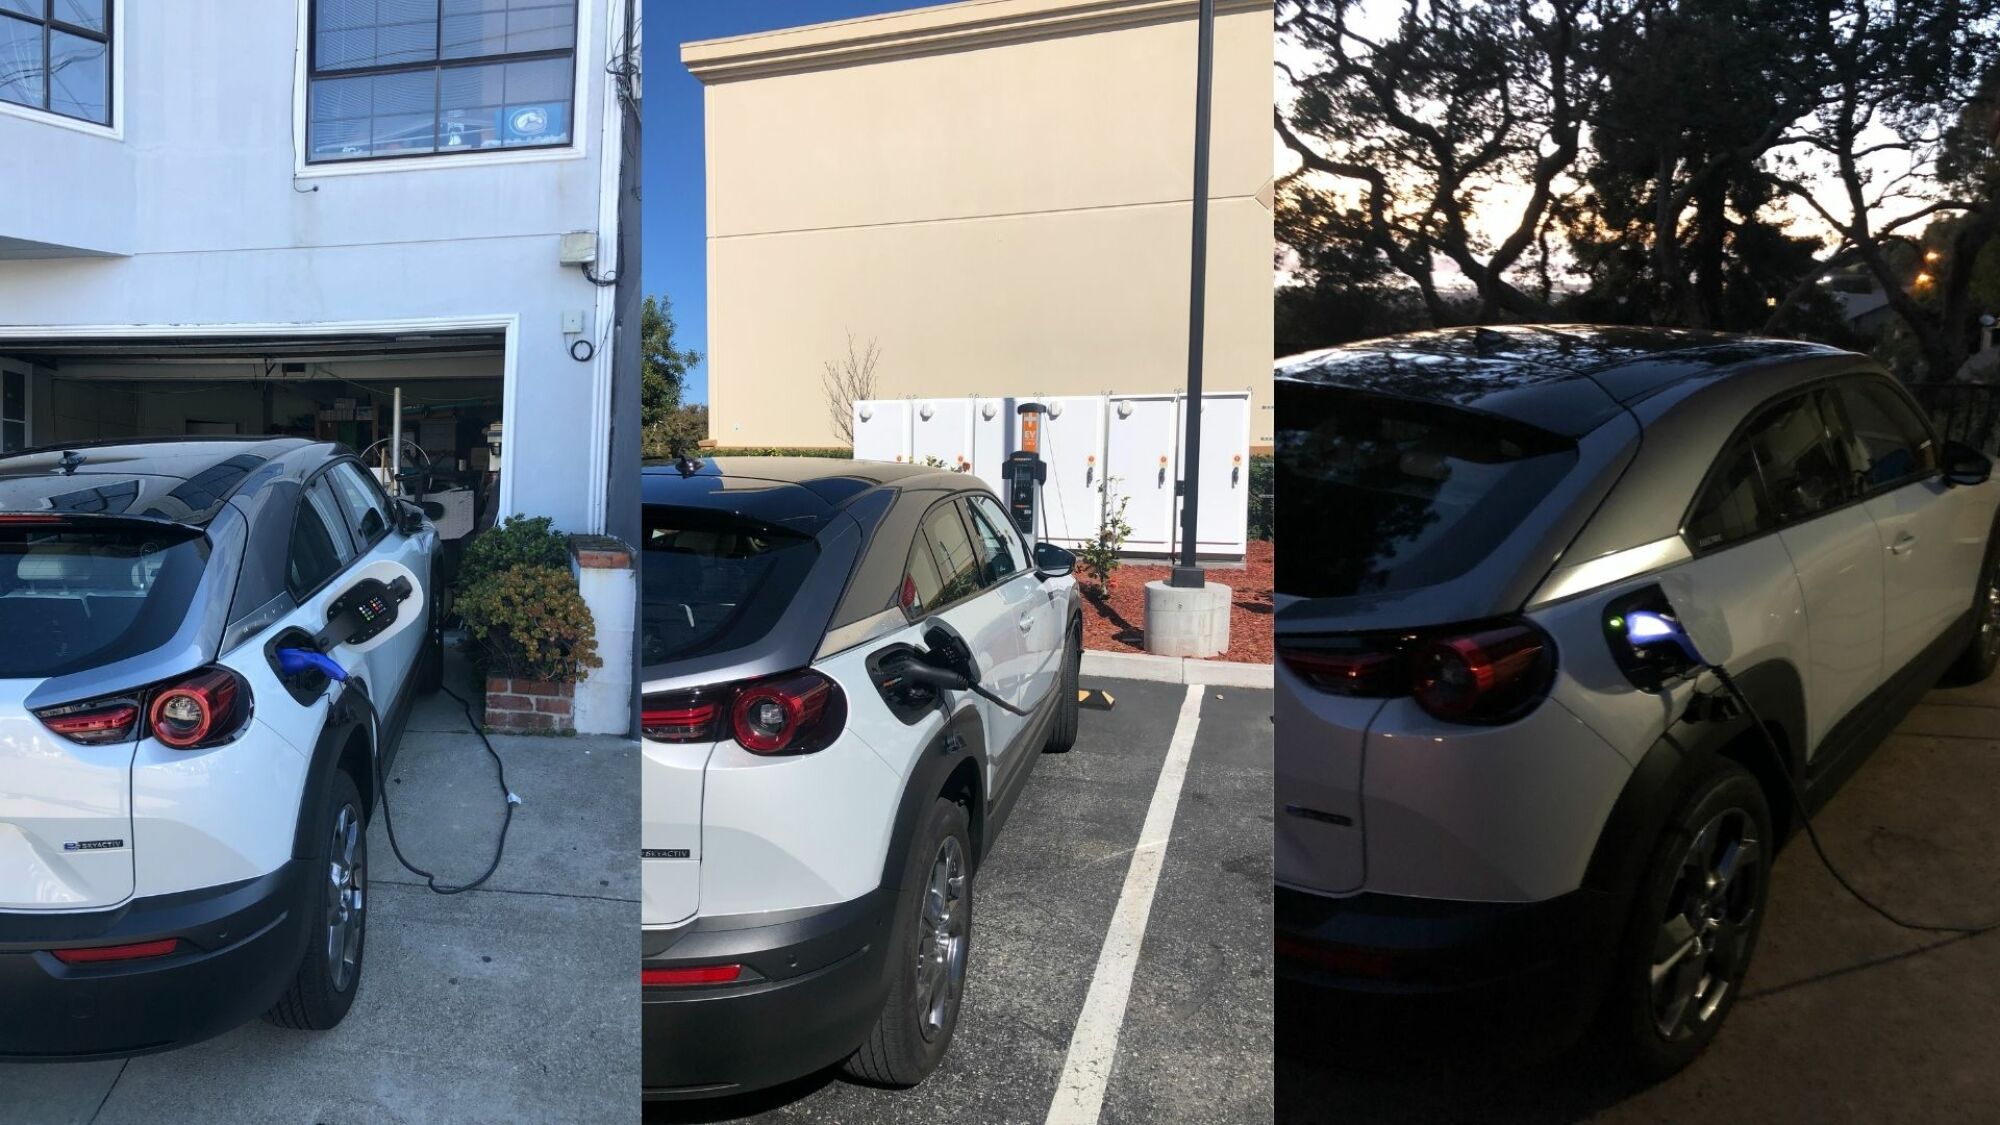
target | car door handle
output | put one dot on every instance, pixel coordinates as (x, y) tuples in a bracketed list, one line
[(1026, 621), (1903, 543)]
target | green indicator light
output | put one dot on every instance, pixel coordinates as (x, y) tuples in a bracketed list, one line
[(1617, 623)]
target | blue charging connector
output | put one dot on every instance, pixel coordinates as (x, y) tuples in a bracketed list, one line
[(298, 661)]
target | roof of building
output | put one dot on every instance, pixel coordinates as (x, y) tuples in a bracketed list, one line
[(964, 26)]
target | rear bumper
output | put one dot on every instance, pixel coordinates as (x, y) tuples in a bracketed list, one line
[(239, 946), (1371, 963), (814, 984)]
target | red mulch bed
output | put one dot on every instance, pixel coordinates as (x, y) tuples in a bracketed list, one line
[(1117, 623)]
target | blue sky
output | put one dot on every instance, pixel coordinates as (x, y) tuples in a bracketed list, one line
[(673, 259)]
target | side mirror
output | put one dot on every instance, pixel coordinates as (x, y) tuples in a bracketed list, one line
[(1052, 561), (1964, 464), (947, 651), (410, 517)]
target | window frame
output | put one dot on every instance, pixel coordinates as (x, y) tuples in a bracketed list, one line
[(922, 541), (114, 27), (339, 527), (309, 71), (373, 488), (1851, 495), (1007, 531), (1851, 448)]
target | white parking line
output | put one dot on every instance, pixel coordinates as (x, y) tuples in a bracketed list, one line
[(1094, 1045)]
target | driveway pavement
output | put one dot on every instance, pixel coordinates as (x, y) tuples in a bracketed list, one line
[(1192, 1042), (518, 1001), (1844, 1016)]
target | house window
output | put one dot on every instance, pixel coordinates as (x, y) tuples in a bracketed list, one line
[(55, 55), (394, 78), (13, 411)]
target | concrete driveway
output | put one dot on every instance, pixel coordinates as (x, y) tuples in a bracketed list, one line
[(1191, 1040), (1844, 1016), (518, 1001)]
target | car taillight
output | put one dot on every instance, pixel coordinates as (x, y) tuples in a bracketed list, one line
[(1481, 677), (94, 723), (1476, 674), (795, 713), (695, 974), (203, 709), (97, 954)]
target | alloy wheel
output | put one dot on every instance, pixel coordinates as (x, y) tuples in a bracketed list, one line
[(346, 891), (1703, 944), (942, 941)]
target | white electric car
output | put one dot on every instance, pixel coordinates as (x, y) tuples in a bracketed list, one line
[(182, 828), (850, 669), (1494, 795)]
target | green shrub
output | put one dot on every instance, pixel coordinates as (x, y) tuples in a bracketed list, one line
[(1263, 470), (520, 541), (1100, 554), (529, 622)]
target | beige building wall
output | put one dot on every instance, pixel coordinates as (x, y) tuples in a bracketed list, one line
[(997, 193)]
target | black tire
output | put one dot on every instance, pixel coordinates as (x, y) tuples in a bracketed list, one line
[(913, 1032), (1062, 735), (1714, 932), (430, 662), (318, 997), (1982, 650)]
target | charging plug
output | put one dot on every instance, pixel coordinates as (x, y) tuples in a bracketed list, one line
[(299, 661)]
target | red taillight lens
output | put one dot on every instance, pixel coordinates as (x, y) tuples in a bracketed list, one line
[(203, 709), (1484, 675), (95, 954), (95, 723), (795, 713), (698, 974), (678, 717), (788, 714), (198, 710)]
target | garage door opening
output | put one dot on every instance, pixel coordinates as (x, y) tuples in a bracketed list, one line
[(346, 389)]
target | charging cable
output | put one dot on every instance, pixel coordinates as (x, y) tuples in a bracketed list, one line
[(1646, 627), (294, 661)]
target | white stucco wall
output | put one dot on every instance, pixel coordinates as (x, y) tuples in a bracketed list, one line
[(207, 219)]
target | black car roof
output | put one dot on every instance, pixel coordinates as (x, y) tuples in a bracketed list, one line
[(798, 492), (185, 480), (1565, 378)]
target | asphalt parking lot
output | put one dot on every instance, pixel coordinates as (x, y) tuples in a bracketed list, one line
[(1194, 1040), (1844, 1017), (513, 1002)]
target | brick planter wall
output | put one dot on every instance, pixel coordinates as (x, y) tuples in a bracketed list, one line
[(529, 706)]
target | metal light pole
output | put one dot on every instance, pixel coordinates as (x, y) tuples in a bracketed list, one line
[(1186, 573)]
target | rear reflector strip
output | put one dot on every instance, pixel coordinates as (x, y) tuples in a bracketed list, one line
[(135, 952), (699, 974)]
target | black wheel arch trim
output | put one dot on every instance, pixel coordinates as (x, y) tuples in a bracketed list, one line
[(960, 740)]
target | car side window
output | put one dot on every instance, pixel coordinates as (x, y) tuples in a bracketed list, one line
[(366, 509), (952, 552), (919, 591), (1804, 473), (1888, 440), (319, 547), (1000, 555), (1732, 506)]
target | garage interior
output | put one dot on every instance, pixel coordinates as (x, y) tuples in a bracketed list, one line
[(328, 388)]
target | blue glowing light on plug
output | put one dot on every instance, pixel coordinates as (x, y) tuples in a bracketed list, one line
[(1643, 627)]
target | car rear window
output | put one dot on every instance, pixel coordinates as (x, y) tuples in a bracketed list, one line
[(74, 597), (1378, 494), (714, 581)]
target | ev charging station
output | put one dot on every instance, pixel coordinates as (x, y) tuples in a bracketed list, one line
[(1024, 473), (1133, 443)]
